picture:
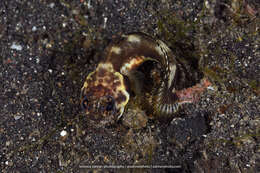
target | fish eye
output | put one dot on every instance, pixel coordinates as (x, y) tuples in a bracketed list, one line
[(110, 103), (84, 103), (110, 106)]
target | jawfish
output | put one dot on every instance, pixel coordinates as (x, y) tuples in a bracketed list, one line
[(107, 90)]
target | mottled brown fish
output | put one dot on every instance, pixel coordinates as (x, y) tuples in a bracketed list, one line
[(107, 90)]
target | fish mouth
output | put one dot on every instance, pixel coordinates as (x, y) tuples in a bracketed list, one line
[(103, 106)]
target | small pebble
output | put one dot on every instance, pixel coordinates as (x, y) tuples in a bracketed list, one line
[(51, 5), (210, 88), (17, 117), (16, 46), (34, 28), (7, 143), (63, 133), (50, 70)]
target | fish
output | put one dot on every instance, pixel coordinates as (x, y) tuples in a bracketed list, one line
[(119, 76)]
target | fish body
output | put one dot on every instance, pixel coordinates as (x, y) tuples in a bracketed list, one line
[(107, 90)]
